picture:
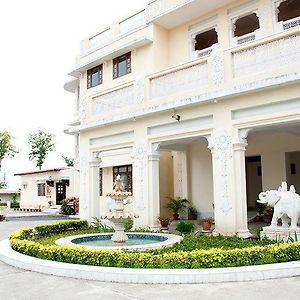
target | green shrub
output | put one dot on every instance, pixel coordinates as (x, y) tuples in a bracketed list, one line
[(128, 225), (65, 209), (185, 227), (100, 225), (24, 242)]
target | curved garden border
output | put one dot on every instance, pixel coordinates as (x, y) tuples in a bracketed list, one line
[(151, 276)]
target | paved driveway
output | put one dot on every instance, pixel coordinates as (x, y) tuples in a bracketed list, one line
[(20, 284)]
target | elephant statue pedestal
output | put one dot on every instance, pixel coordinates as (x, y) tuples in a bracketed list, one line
[(285, 234)]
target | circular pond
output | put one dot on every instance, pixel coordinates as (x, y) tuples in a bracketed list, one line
[(136, 241)]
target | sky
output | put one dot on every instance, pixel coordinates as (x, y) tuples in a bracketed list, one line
[(39, 42)]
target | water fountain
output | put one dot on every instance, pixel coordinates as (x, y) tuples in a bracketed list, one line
[(119, 215), (119, 239)]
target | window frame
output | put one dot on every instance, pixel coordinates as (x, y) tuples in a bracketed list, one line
[(129, 184), (90, 72), (100, 182), (118, 60), (198, 28), (41, 192), (281, 26)]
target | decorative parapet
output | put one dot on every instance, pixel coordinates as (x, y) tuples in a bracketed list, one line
[(110, 101), (157, 8), (267, 56), (181, 80)]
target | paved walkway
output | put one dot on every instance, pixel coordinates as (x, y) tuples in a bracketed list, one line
[(20, 284)]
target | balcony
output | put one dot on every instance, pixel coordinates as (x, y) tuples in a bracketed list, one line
[(259, 64), (172, 13), (113, 33)]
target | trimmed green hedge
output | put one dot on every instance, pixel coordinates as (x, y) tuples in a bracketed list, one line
[(23, 242)]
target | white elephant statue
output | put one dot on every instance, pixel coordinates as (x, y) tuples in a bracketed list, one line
[(286, 205)]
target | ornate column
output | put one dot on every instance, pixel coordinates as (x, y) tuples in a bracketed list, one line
[(220, 144), (94, 201), (153, 169), (229, 176), (180, 174), (239, 149)]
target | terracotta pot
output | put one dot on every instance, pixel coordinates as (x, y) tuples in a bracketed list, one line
[(2, 218), (164, 224), (206, 225), (175, 216)]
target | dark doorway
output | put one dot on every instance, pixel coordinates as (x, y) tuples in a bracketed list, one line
[(253, 180), (60, 192)]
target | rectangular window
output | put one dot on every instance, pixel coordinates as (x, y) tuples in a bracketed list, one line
[(122, 65), (100, 183), (41, 189), (126, 174), (94, 77)]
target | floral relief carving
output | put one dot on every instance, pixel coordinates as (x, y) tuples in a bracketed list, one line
[(222, 148), (83, 180), (193, 77), (140, 165), (281, 52), (217, 66)]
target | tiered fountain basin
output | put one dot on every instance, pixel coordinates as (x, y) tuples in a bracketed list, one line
[(136, 241)]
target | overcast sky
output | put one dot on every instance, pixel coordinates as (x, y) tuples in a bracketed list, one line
[(39, 42)]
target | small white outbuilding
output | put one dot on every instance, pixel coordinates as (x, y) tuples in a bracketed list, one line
[(43, 188)]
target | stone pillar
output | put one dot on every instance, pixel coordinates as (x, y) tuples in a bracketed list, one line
[(220, 145), (94, 203), (153, 169), (239, 150), (180, 174)]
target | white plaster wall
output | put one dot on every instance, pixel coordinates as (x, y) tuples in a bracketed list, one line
[(5, 198), (201, 178), (272, 147), (29, 195), (293, 157), (165, 181)]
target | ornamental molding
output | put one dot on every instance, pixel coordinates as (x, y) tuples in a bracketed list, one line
[(140, 166), (202, 98), (222, 154)]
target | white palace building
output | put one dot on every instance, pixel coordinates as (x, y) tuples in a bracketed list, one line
[(192, 98)]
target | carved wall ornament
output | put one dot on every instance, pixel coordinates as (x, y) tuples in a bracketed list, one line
[(140, 166), (222, 151), (217, 66)]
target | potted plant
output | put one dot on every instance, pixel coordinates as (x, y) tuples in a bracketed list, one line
[(268, 214), (176, 205), (2, 218), (192, 213), (260, 211), (206, 224), (164, 222)]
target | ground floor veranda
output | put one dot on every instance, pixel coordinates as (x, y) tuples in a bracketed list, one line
[(218, 157)]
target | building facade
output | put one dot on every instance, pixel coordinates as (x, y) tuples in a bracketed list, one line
[(43, 188), (189, 98)]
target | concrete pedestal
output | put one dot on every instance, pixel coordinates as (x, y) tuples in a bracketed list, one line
[(281, 233)]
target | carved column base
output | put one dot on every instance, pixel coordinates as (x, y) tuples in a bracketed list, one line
[(281, 233)]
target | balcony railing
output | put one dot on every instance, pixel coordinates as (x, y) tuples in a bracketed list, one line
[(179, 80), (122, 28), (113, 100), (267, 56), (157, 8), (132, 23)]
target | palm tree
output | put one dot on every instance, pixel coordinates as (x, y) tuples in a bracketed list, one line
[(176, 205)]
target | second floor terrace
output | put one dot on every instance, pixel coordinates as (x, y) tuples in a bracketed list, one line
[(261, 64)]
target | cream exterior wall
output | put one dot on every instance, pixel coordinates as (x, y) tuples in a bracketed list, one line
[(29, 191), (232, 100), (8, 197)]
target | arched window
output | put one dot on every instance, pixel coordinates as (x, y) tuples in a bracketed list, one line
[(288, 10), (206, 39), (246, 25)]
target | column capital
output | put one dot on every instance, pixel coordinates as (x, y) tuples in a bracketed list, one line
[(154, 157), (240, 146), (95, 160)]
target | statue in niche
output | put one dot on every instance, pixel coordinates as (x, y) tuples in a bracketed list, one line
[(286, 205)]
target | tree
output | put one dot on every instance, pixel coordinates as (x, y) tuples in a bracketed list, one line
[(6, 146), (41, 144), (68, 161)]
